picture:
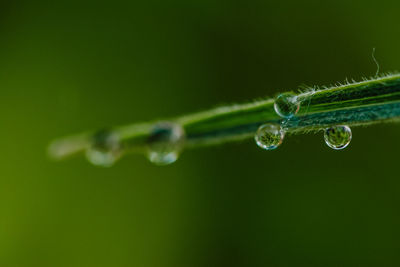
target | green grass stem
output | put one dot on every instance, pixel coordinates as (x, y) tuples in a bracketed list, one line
[(370, 101)]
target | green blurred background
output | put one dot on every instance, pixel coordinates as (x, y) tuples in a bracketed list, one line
[(69, 66)]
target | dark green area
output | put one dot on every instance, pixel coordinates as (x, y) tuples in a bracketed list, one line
[(70, 66)]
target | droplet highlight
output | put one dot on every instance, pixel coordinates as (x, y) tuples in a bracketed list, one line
[(338, 137), (165, 143), (286, 105), (105, 149), (269, 136)]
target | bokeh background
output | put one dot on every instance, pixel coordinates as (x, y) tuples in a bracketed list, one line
[(67, 66)]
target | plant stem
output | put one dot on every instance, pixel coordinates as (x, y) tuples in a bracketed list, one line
[(357, 103)]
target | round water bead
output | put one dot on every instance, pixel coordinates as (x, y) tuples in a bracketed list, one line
[(269, 136), (338, 137), (286, 105), (165, 143), (105, 149)]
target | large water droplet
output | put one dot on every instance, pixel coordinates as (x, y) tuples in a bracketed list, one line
[(338, 137), (105, 149), (286, 105), (269, 136), (165, 143)]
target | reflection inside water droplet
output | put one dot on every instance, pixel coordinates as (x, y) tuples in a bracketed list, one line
[(165, 143), (105, 149), (286, 105), (338, 137), (269, 136)]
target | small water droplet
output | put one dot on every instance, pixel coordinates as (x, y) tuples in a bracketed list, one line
[(165, 143), (289, 123), (338, 137), (269, 136), (286, 105), (105, 149)]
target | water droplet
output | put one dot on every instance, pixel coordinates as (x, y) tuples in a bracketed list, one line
[(286, 105), (338, 137), (105, 149), (269, 136), (165, 143)]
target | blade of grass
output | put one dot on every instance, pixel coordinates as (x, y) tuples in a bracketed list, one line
[(358, 103)]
